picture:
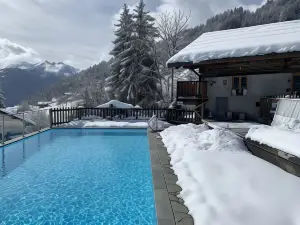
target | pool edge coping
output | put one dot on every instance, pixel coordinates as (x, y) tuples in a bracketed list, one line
[(170, 210)]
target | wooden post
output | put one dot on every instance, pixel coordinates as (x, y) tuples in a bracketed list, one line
[(23, 124), (202, 97), (50, 118), (3, 140)]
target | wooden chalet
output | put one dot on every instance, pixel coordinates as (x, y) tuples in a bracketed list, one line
[(239, 69)]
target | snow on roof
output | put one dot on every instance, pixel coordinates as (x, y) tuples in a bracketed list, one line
[(116, 104), (138, 107), (280, 37)]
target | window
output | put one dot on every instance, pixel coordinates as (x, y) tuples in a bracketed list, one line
[(239, 85)]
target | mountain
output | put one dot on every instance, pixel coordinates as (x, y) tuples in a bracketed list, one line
[(21, 80), (46, 68)]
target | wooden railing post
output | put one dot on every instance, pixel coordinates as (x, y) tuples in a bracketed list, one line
[(50, 118)]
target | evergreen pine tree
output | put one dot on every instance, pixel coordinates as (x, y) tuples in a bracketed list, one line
[(144, 79), (121, 62)]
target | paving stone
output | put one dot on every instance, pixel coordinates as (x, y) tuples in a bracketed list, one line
[(171, 178), (173, 188), (186, 221), (168, 170), (179, 216), (177, 207), (163, 206), (166, 222)]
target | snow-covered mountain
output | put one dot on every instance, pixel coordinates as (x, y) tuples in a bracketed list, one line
[(46, 68)]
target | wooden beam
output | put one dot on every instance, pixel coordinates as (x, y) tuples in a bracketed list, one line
[(251, 58), (247, 73), (177, 65)]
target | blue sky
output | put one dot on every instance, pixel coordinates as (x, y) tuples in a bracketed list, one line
[(79, 32)]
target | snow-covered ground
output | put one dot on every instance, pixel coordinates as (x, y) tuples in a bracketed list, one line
[(102, 123), (223, 184), (116, 104)]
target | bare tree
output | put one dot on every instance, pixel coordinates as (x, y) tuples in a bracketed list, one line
[(171, 27)]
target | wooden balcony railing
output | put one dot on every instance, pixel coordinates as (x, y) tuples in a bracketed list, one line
[(60, 116), (191, 90)]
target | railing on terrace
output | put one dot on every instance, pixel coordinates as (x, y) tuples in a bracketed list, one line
[(60, 116), (19, 124), (191, 90)]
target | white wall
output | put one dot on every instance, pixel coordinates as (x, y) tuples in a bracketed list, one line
[(258, 86)]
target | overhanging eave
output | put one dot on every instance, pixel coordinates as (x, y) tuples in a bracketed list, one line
[(178, 65)]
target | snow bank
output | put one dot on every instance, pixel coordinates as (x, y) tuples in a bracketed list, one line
[(102, 123), (249, 41), (116, 104), (157, 125), (274, 137), (222, 183)]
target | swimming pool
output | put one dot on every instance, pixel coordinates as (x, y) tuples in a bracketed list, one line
[(78, 176)]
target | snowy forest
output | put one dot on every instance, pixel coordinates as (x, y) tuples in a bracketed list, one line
[(136, 72)]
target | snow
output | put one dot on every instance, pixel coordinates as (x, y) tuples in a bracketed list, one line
[(250, 41), (116, 104), (96, 122), (18, 116), (157, 125), (116, 124), (284, 134), (51, 67), (232, 125), (274, 137), (138, 107), (222, 183), (102, 123), (12, 54), (44, 103)]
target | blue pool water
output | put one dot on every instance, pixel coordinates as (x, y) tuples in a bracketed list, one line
[(78, 176)]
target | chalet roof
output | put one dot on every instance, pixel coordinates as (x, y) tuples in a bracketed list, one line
[(259, 40)]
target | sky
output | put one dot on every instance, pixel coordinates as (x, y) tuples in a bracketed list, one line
[(79, 32)]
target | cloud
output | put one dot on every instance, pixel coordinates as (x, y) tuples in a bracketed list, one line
[(61, 30), (12, 53)]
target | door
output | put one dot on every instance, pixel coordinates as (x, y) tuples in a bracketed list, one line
[(221, 107)]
